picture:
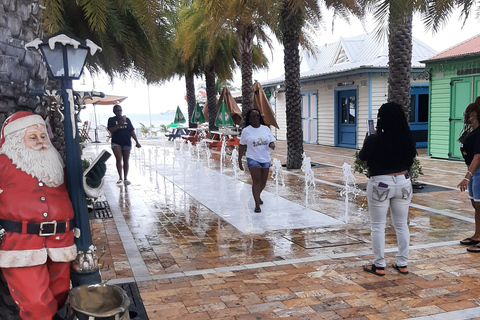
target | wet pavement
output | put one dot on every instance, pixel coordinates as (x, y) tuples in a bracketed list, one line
[(185, 232)]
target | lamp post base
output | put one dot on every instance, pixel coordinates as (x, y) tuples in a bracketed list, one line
[(84, 269), (88, 277)]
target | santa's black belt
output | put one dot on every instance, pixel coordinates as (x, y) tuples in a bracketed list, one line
[(43, 229)]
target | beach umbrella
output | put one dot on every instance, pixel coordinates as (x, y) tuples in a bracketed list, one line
[(105, 100), (232, 107), (197, 115), (223, 118), (179, 118), (261, 103)]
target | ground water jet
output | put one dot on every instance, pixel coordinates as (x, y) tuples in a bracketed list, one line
[(277, 174), (223, 154), (208, 154), (309, 176), (350, 186), (234, 161)]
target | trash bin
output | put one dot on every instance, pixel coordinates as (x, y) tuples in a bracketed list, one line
[(103, 301)]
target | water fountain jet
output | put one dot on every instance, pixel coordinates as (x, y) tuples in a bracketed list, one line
[(277, 174), (309, 176), (350, 186)]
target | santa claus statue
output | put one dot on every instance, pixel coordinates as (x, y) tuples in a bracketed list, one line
[(36, 215)]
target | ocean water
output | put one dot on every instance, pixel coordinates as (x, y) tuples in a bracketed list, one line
[(156, 119)]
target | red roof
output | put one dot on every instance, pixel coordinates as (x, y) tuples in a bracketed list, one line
[(468, 47)]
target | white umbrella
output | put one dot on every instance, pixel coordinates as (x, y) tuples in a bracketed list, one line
[(106, 100)]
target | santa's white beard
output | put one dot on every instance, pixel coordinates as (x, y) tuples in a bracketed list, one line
[(46, 164)]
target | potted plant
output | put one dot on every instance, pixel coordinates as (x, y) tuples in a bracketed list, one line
[(414, 172)]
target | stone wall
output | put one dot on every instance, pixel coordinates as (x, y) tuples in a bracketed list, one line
[(20, 70)]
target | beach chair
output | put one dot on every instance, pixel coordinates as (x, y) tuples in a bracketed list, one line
[(83, 132)]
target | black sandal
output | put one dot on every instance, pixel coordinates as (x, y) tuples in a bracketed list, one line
[(257, 209), (373, 269), (469, 242), (475, 248), (394, 266)]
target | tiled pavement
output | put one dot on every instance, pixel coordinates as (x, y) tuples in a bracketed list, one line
[(189, 263)]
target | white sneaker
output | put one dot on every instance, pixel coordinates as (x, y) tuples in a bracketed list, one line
[(119, 181), (127, 182)]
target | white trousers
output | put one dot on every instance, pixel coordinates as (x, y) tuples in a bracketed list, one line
[(395, 192)]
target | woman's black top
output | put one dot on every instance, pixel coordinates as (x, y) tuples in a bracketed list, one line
[(380, 163), (470, 146), (123, 136)]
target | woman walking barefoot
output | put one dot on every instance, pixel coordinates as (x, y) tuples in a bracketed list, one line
[(122, 132), (258, 140)]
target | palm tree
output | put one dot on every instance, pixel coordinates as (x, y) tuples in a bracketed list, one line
[(248, 19), (394, 18), (129, 32), (190, 58), (293, 15), (220, 51)]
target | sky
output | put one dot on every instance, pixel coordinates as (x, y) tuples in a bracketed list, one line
[(160, 98)]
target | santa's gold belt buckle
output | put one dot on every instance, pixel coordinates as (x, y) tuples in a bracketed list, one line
[(48, 229)]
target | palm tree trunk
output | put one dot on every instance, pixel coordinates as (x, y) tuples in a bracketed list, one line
[(190, 87), (293, 96), (399, 59), (211, 96), (245, 39)]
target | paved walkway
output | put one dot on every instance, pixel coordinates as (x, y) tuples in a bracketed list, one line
[(194, 259)]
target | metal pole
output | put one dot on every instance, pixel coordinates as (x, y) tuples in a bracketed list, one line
[(96, 124), (149, 112), (76, 192)]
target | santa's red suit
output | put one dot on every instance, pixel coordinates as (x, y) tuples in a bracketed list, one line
[(35, 258)]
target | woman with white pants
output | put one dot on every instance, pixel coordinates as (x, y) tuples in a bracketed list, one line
[(389, 153)]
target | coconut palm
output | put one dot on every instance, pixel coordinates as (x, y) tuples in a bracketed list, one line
[(394, 19), (188, 68), (220, 50), (129, 32), (249, 20), (289, 29), (191, 57)]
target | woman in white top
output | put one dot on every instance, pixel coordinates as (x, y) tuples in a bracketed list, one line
[(257, 139)]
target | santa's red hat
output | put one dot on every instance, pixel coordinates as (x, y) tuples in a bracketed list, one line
[(18, 121)]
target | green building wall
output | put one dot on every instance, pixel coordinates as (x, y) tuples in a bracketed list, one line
[(440, 105)]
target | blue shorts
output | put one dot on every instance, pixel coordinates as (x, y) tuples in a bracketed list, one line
[(254, 163), (123, 147), (474, 186)]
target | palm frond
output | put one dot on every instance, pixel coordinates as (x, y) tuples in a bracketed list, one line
[(95, 13)]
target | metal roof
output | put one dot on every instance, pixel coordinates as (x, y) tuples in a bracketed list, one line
[(465, 48), (363, 51)]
